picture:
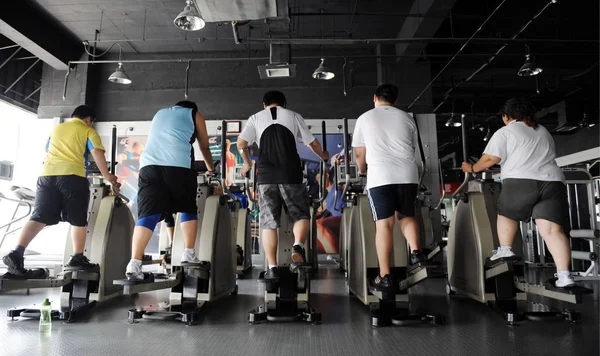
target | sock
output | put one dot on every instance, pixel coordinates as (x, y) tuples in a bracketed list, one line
[(138, 262), (299, 244), (20, 250), (77, 254), (563, 273), (272, 266), (509, 248), (190, 251), (416, 252)]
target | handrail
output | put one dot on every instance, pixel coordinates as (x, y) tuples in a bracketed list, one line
[(323, 188), (346, 159), (224, 157), (421, 152), (14, 220), (439, 204), (465, 155)]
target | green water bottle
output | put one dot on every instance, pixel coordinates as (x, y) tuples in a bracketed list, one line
[(46, 316)]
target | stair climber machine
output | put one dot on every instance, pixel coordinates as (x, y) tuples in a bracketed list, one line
[(362, 264), (501, 283), (240, 211), (108, 243), (288, 299), (194, 285)]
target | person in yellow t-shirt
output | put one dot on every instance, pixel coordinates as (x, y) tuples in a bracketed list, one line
[(63, 190)]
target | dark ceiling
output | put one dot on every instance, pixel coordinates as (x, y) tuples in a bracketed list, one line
[(563, 39)]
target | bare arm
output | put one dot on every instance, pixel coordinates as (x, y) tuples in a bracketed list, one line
[(100, 160), (360, 153), (242, 146), (315, 146), (202, 135), (486, 161)]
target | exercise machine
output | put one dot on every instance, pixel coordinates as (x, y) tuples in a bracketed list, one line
[(471, 240), (109, 230), (194, 285), (240, 214), (387, 308), (288, 299)]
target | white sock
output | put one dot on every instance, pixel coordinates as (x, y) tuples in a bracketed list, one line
[(138, 262), (272, 266), (563, 273), (299, 244), (190, 251), (509, 248)]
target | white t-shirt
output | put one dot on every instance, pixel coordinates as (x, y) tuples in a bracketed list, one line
[(390, 138), (525, 152), (259, 122)]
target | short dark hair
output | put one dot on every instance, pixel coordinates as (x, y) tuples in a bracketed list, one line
[(83, 111), (387, 93), (187, 104), (274, 97), (520, 110)]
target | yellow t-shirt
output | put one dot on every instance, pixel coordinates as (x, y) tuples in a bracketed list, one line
[(68, 148)]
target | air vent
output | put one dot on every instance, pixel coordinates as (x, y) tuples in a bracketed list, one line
[(279, 63)]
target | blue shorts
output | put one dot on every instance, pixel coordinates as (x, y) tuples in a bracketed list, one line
[(386, 200)]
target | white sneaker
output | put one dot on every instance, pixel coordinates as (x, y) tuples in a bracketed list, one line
[(134, 271), (502, 253), (564, 281), (188, 257)]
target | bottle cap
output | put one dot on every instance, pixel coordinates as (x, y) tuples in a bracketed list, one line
[(46, 302)]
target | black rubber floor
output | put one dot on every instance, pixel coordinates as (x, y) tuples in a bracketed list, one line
[(472, 329)]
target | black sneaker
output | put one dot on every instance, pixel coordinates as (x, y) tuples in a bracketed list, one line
[(298, 254), (383, 284), (417, 257), (272, 274), (14, 264), (79, 262)]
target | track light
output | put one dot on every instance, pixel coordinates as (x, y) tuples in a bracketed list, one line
[(189, 19), (529, 68), (119, 76), (488, 135), (322, 72), (452, 123)]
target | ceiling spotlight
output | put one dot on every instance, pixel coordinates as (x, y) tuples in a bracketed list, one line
[(452, 123), (529, 68), (322, 72), (119, 76), (189, 19), (488, 135)]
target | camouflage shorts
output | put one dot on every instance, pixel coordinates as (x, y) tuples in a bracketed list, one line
[(274, 197)]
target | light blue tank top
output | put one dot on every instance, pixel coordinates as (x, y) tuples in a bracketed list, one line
[(170, 140)]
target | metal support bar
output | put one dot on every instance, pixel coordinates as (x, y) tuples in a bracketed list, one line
[(10, 57), (187, 78), (66, 81), (32, 93), (21, 76), (8, 47)]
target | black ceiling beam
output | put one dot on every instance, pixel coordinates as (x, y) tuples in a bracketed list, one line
[(38, 34)]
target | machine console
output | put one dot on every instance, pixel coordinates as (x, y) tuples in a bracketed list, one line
[(237, 175)]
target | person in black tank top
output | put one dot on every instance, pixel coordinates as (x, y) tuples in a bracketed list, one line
[(279, 179)]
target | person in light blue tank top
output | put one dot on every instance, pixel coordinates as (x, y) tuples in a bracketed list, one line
[(172, 133), (167, 182)]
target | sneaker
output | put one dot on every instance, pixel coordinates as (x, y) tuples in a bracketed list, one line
[(272, 274), (564, 281), (189, 258), (502, 253), (417, 257), (14, 264), (134, 271), (384, 283), (79, 261), (298, 254)]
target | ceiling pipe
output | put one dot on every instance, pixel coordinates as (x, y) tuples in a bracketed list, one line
[(187, 78), (492, 57)]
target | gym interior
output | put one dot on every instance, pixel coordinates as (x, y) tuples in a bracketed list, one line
[(455, 63)]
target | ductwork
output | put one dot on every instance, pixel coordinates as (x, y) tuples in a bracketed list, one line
[(279, 63)]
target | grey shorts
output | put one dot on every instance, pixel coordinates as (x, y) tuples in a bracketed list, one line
[(521, 199), (274, 197)]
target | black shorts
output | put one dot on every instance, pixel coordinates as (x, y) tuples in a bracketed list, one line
[(521, 199), (166, 189), (61, 198), (274, 197), (386, 200)]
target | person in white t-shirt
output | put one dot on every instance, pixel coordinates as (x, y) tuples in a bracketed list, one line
[(532, 185), (385, 139)]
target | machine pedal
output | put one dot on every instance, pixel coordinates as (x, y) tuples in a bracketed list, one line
[(575, 290), (491, 264), (148, 278), (38, 273), (93, 269), (203, 265)]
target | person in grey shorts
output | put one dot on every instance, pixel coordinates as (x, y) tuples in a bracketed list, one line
[(533, 186), (276, 130)]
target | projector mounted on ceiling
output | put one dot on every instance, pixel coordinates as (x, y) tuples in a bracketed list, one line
[(279, 63)]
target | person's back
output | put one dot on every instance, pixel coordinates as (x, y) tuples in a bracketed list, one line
[(172, 134), (529, 153), (68, 148), (389, 135)]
